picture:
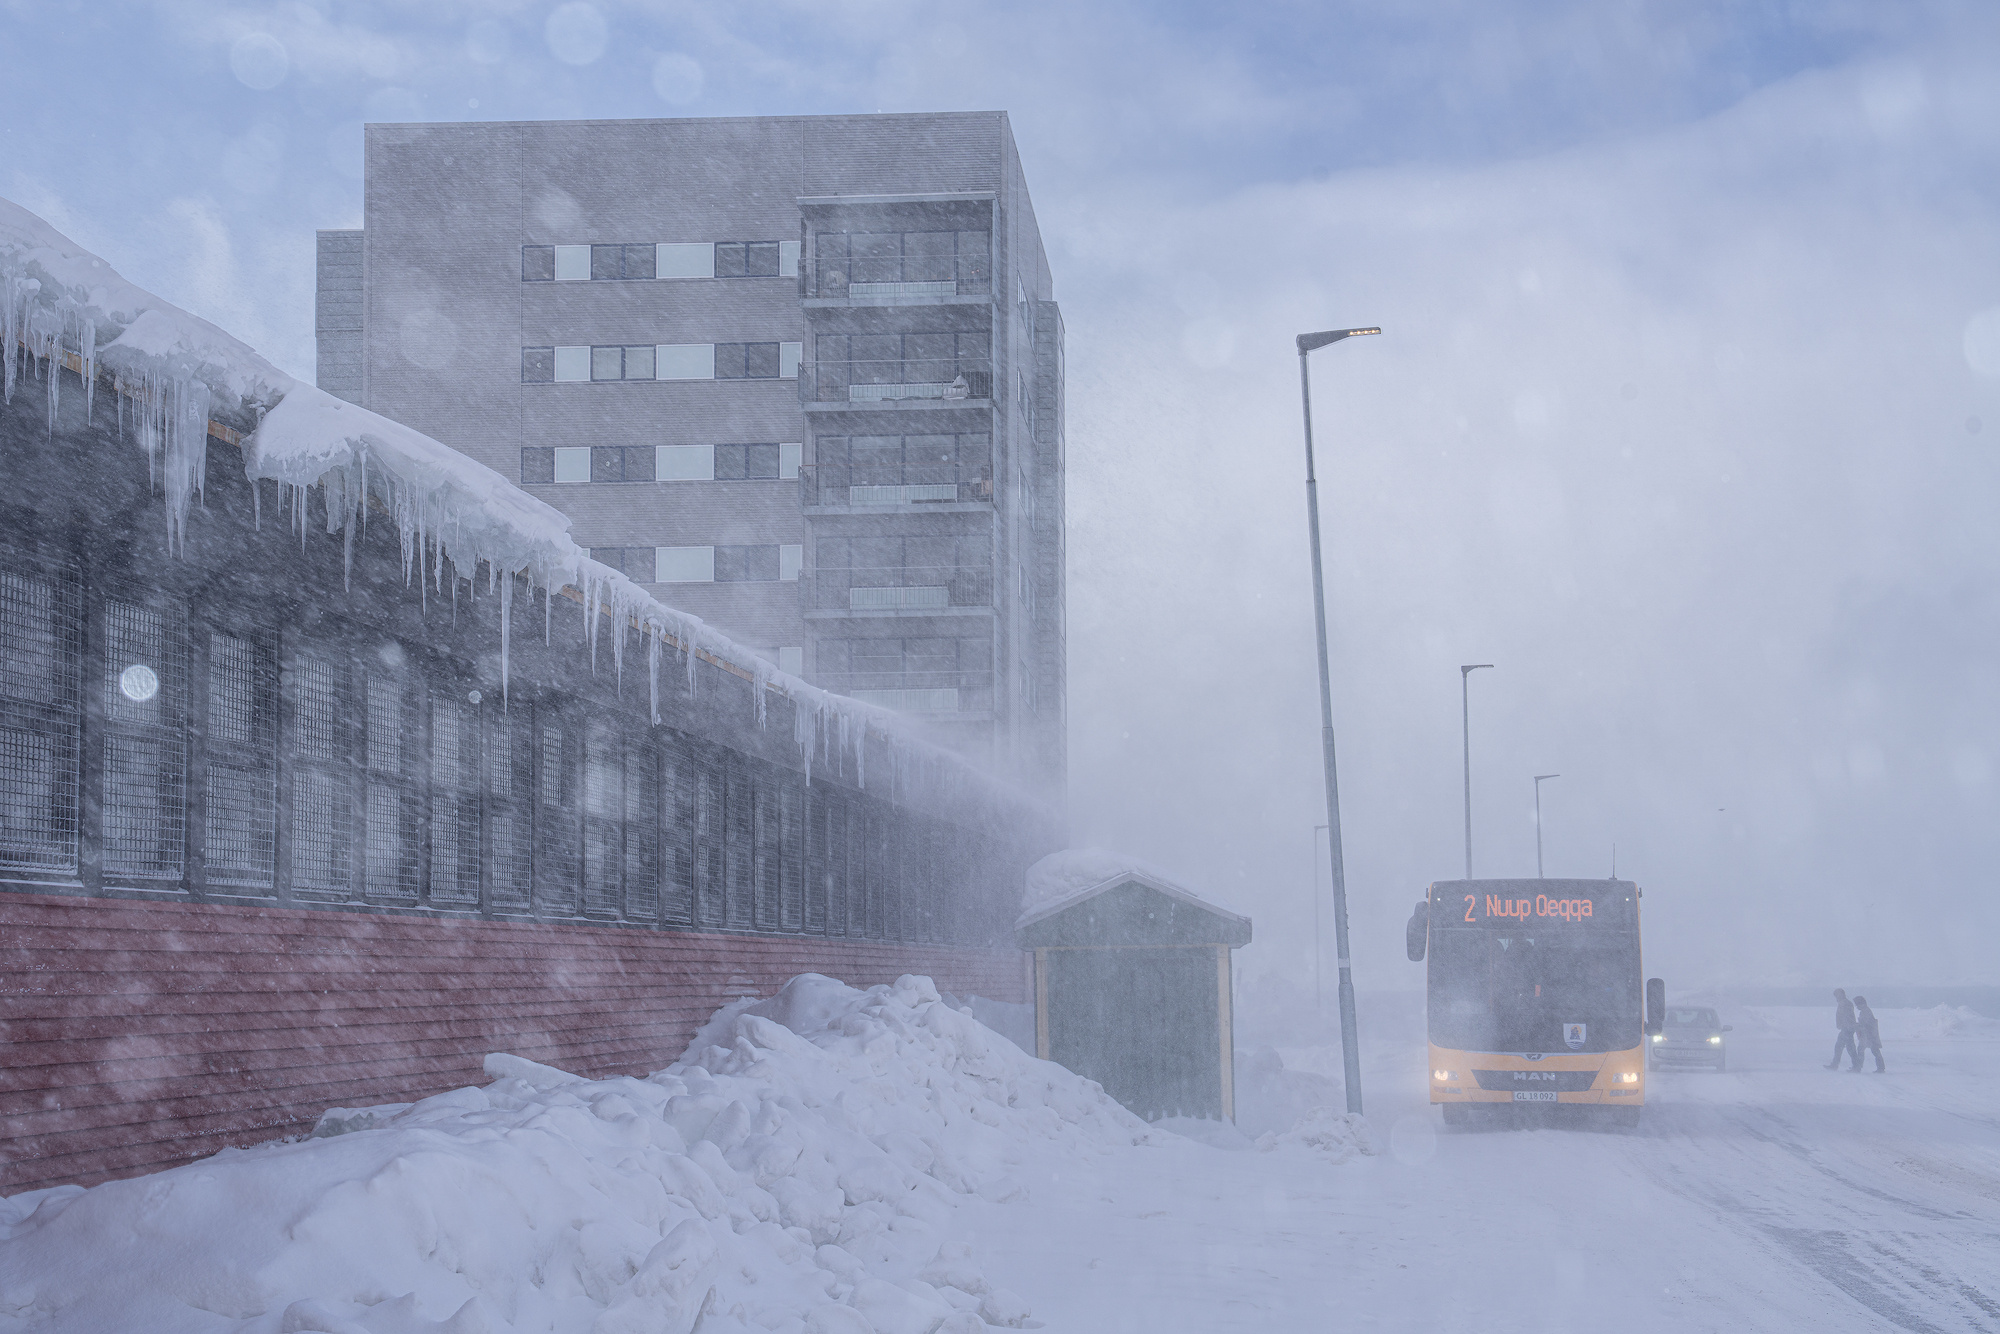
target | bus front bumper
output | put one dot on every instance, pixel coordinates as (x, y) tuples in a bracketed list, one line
[(1587, 1078)]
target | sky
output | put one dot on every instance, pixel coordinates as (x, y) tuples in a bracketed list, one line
[(1685, 414)]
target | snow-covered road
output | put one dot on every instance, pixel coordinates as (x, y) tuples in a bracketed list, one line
[(1778, 1196)]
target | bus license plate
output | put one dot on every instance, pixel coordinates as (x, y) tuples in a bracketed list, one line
[(1534, 1097)]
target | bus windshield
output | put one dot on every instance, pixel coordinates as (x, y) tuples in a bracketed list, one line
[(1519, 992)]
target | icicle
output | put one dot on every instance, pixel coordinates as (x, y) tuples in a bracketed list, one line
[(13, 297), (591, 588), (548, 609), (87, 350), (653, 670), (506, 636), (760, 682), (361, 504), (257, 505), (805, 732), (44, 339)]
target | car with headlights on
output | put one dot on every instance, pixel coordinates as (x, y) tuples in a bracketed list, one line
[(1691, 1035)]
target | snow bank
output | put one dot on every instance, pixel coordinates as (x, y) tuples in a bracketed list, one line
[(1334, 1136), (1937, 1023), (178, 370), (795, 1171)]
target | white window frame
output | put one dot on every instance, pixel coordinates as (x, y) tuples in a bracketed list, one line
[(573, 460), (685, 259), (684, 463), (683, 565), (572, 263), (572, 365), (684, 361)]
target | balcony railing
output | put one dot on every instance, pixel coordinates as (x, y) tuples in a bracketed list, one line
[(885, 381), (915, 486), (897, 588), (947, 288), (911, 701), (918, 691)]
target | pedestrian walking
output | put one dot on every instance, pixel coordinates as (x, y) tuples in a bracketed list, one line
[(1843, 1019), (1867, 1035)]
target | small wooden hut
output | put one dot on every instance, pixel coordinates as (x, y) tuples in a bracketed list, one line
[(1132, 984)]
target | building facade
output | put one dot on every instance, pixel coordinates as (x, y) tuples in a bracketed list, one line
[(306, 802), (800, 376)]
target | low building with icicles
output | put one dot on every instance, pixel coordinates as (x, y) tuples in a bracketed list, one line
[(330, 764)]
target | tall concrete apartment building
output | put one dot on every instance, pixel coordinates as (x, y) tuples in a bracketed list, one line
[(802, 376)]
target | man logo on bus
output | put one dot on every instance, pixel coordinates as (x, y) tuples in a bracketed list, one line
[(1573, 1035)]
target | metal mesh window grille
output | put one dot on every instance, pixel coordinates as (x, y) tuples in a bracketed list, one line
[(710, 894), (241, 809), (509, 753), (603, 809), (41, 639), (145, 745), (818, 861), (677, 833), (321, 843), (392, 854), (556, 831), (854, 865), (737, 851), (764, 853), (791, 870), (642, 835), (454, 832)]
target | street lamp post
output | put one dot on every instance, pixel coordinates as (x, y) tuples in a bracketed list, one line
[(1349, 1039), (1319, 933), (1538, 828), (1465, 724)]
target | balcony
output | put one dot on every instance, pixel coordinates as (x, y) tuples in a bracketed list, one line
[(914, 488), (892, 381), (896, 590), (931, 264), (937, 695)]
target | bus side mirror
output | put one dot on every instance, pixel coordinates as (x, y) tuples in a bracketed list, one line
[(1656, 1004), (1418, 930)]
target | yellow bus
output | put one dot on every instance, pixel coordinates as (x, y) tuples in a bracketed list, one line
[(1533, 995)]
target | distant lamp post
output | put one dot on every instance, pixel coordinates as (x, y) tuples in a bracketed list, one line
[(1349, 1039), (1538, 829), (1465, 724)]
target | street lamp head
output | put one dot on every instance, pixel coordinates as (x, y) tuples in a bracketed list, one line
[(1308, 342), (1540, 777), (1470, 668)]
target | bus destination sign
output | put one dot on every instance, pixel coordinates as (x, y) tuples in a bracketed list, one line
[(1529, 902)]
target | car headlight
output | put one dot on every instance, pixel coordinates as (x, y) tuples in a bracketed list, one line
[(1659, 1037), (1715, 1038), (1625, 1077), (1440, 1075)]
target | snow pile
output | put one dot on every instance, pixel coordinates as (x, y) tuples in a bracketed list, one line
[(1270, 1097), (1335, 1136), (796, 1171), (1942, 1021), (57, 301)]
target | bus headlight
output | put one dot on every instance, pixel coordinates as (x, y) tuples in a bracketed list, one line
[(1659, 1037), (1625, 1077), (1440, 1075), (1715, 1039)]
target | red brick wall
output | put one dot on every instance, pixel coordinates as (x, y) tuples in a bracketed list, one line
[(135, 1035)]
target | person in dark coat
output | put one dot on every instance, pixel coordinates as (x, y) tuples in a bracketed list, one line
[(1867, 1035), (1843, 1019)]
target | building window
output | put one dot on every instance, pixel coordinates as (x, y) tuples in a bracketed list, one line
[(684, 463), (454, 799), (610, 263), (685, 259), (686, 361), (746, 565), (873, 367), (321, 838), (621, 363), (792, 660), (746, 259), (790, 557), (789, 355), (902, 469), (572, 463), (740, 462), (926, 263), (788, 259), (242, 742), (41, 710), (788, 461), (746, 361), (145, 742), (572, 263), (684, 565), (538, 365), (538, 263), (572, 364)]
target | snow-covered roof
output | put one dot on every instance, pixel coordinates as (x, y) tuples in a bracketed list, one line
[(1064, 879), (60, 304)]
